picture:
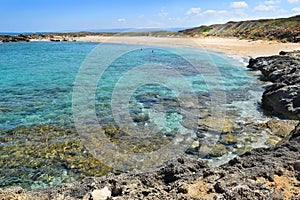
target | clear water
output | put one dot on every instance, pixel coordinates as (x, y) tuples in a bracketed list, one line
[(37, 81), (37, 78)]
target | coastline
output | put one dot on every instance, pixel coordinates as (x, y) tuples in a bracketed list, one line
[(190, 179), (230, 46)]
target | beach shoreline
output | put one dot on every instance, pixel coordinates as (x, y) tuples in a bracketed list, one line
[(184, 177), (230, 46)]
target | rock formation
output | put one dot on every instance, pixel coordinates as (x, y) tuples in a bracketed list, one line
[(19, 38), (283, 96)]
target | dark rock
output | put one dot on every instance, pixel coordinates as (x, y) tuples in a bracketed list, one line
[(19, 38), (141, 118), (283, 97), (279, 172), (220, 187), (297, 165)]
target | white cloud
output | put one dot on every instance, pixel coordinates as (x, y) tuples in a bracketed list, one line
[(239, 4), (297, 9), (272, 2), (121, 20), (264, 8), (193, 11), (163, 13), (223, 11), (215, 12), (209, 12), (293, 1)]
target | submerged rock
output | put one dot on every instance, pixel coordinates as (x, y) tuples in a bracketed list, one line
[(271, 173), (272, 141), (228, 139), (45, 156), (222, 125)]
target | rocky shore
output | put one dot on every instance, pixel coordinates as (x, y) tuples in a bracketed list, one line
[(18, 38), (272, 173), (283, 96), (43, 36)]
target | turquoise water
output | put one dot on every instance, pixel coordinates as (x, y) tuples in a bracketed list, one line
[(36, 82), (36, 86), (37, 79)]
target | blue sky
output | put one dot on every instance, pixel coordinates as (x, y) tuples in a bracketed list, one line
[(65, 15)]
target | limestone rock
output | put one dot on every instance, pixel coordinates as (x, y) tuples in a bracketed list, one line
[(228, 139), (223, 125), (102, 194), (281, 128)]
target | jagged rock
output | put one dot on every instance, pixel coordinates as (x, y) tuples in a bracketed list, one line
[(283, 96)]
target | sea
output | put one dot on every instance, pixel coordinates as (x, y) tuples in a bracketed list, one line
[(69, 110)]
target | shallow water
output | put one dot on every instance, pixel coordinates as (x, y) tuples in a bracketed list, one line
[(40, 146)]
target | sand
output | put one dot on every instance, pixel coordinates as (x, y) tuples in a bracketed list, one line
[(231, 46)]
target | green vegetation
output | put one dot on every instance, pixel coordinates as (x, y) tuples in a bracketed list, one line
[(283, 29)]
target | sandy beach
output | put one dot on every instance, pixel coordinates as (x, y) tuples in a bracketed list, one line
[(230, 46)]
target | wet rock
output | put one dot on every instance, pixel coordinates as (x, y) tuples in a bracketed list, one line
[(207, 150), (282, 128), (223, 125), (193, 148), (213, 150), (243, 149), (228, 139), (45, 156), (272, 141), (141, 118)]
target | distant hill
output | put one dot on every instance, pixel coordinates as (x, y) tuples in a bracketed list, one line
[(283, 29)]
